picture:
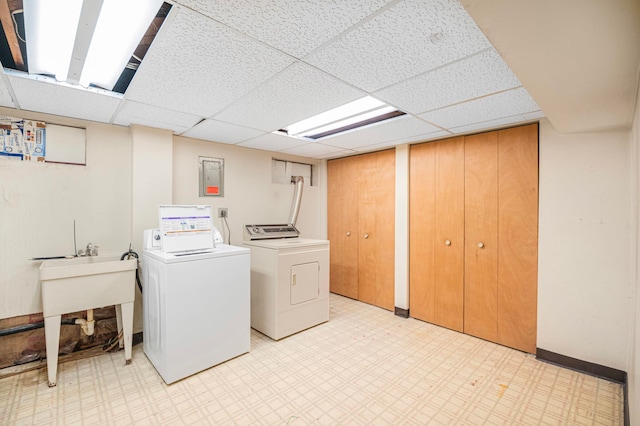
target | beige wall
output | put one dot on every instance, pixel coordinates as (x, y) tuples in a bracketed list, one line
[(249, 195), (402, 228), (129, 173), (151, 186), (39, 202), (152, 181), (633, 369), (584, 245)]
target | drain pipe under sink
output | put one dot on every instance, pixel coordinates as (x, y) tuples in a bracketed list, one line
[(87, 325)]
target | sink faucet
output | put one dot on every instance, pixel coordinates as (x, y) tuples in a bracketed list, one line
[(91, 250)]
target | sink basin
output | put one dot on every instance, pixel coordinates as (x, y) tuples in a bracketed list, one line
[(81, 283), (70, 285)]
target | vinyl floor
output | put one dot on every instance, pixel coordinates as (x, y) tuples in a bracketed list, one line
[(363, 367)]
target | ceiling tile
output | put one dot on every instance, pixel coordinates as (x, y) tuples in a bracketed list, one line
[(505, 104), (218, 131), (533, 115), (376, 147), (273, 142), (488, 125), (386, 131), (315, 150), (295, 27), (198, 66), (151, 116), (475, 76), (39, 94), (413, 139), (408, 39), (298, 92), (337, 154)]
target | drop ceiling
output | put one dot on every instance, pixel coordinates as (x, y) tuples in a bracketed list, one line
[(235, 71)]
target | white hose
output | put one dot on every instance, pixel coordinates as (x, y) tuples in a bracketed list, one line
[(297, 199)]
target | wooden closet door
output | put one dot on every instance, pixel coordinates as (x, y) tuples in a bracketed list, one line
[(518, 237), (436, 213), (481, 236), (449, 234), (422, 224), (335, 203), (376, 224), (385, 229), (342, 207)]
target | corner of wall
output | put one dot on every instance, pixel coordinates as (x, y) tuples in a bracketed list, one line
[(633, 363), (402, 228), (151, 186)]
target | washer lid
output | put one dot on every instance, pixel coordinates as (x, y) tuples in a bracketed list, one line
[(221, 250)]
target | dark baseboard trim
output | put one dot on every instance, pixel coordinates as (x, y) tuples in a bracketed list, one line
[(592, 369), (404, 313), (136, 339), (625, 389)]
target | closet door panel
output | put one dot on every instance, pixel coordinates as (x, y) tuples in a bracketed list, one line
[(518, 237), (367, 250), (384, 237), (376, 237), (349, 233), (342, 227), (422, 202), (449, 234), (481, 236), (335, 207)]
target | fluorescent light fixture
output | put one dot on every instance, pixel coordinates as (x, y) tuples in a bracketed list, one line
[(102, 34), (361, 112), (120, 28), (50, 28)]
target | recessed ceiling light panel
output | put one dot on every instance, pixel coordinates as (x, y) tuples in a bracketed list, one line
[(86, 42), (359, 113)]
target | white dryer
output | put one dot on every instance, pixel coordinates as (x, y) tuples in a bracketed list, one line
[(289, 285)]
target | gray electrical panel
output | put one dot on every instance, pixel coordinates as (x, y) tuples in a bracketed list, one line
[(211, 177)]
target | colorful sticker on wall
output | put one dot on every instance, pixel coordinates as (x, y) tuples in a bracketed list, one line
[(22, 139)]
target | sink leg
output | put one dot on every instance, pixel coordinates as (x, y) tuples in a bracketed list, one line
[(127, 327), (119, 323), (52, 337)]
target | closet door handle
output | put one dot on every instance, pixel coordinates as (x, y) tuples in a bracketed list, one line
[(480, 244), (348, 234), (366, 236), (447, 242)]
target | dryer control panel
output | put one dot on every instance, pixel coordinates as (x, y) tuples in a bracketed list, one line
[(262, 232)]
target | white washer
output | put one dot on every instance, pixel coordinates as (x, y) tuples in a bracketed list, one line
[(196, 309), (289, 285), (196, 300)]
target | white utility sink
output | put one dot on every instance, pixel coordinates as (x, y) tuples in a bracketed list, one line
[(81, 283)]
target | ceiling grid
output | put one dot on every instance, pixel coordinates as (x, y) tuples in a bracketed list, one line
[(235, 71)]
